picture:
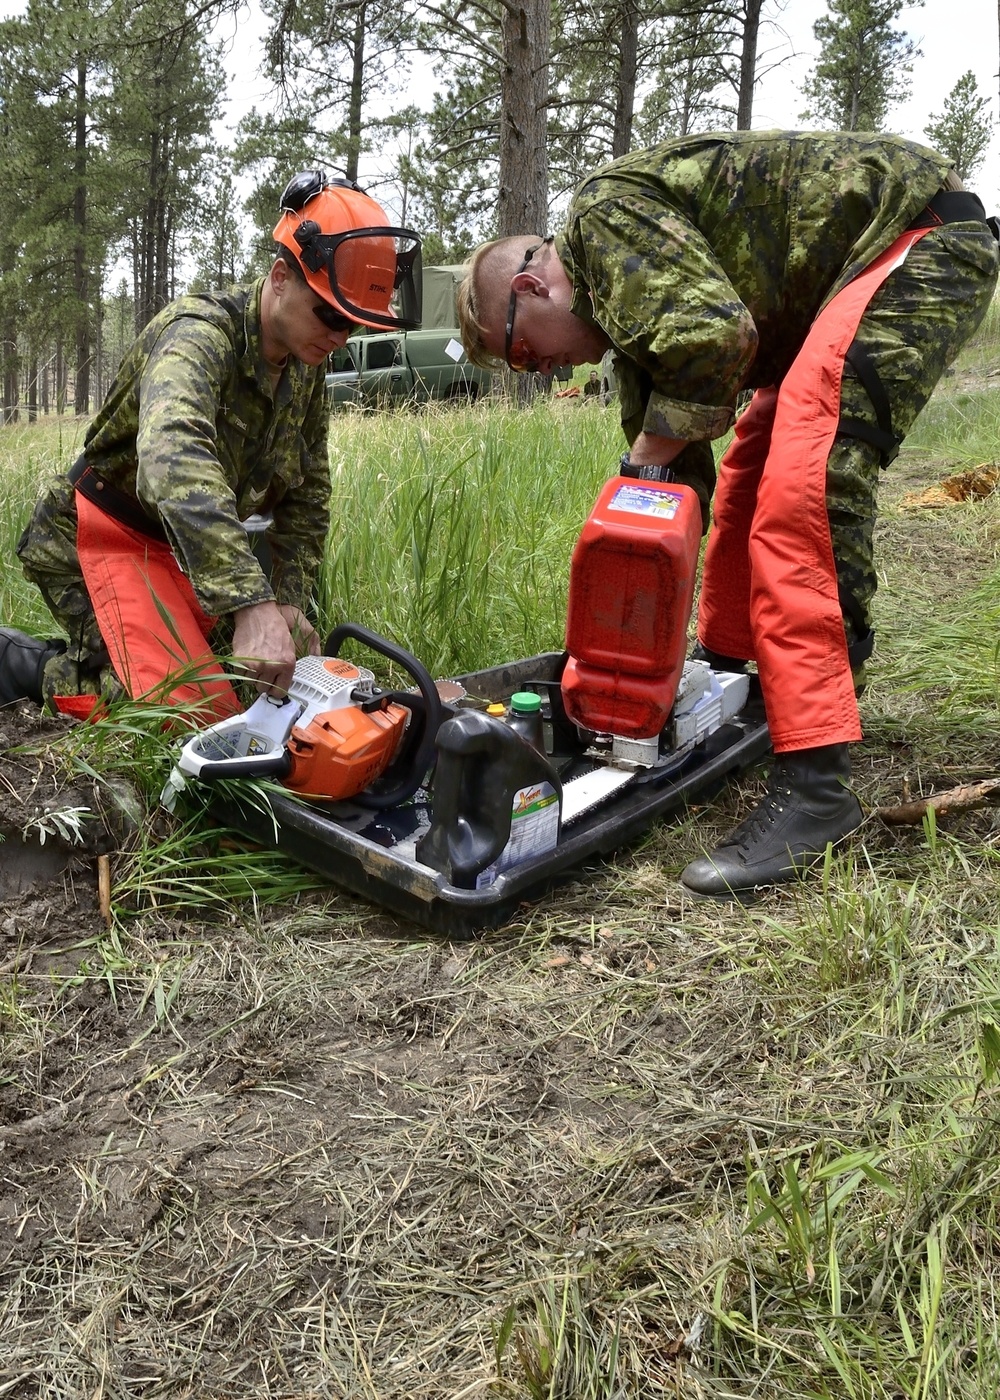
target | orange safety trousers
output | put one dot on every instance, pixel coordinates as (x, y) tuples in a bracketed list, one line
[(154, 629), (769, 585)]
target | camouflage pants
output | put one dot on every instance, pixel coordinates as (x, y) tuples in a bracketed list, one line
[(47, 551), (911, 330)]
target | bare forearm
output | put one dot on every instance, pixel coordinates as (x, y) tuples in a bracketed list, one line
[(649, 450)]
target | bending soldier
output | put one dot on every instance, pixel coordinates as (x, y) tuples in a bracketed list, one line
[(834, 274)]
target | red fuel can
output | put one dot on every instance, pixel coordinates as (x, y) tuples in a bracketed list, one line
[(631, 587)]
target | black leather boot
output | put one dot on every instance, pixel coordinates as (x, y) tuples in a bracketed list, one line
[(808, 804), (22, 661), (716, 660)]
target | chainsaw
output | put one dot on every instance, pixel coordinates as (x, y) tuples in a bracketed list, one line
[(331, 737), (427, 797)]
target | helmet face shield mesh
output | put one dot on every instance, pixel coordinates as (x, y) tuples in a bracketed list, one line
[(375, 276)]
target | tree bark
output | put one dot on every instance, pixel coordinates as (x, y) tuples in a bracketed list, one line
[(523, 197), (99, 347), (748, 63), (628, 59), (357, 94), (80, 270)]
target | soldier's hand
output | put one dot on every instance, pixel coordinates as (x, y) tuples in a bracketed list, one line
[(263, 647), (304, 634)]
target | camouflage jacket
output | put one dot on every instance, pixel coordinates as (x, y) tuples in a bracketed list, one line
[(192, 429), (706, 259)]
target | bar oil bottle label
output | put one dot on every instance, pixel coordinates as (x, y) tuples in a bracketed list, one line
[(534, 829)]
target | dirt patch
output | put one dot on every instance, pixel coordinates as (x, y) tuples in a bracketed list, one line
[(54, 821)]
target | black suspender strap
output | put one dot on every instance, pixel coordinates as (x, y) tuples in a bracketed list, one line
[(883, 436), (120, 506), (951, 207)]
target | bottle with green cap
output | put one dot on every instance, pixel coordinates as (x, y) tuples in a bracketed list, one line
[(525, 718)]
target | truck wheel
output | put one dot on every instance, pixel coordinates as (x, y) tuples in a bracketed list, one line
[(462, 393)]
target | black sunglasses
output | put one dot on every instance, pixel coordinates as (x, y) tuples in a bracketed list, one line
[(530, 365), (332, 318)]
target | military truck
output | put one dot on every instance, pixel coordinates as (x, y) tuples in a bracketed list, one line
[(410, 366), (404, 367)]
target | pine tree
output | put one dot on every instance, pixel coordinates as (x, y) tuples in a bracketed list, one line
[(58, 89), (864, 65), (962, 131), (217, 244), (106, 110), (166, 81), (330, 61)]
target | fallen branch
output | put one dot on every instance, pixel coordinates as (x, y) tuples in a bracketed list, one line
[(958, 799), (104, 888)]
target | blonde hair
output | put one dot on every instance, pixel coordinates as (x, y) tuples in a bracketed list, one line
[(483, 292)]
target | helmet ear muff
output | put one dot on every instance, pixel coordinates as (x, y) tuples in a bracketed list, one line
[(306, 236)]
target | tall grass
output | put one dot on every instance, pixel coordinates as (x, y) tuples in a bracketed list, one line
[(453, 529), (29, 455), (944, 624)]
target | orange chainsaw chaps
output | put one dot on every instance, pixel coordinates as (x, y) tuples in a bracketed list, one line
[(343, 751), (148, 615)]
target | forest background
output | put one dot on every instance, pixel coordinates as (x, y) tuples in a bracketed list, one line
[(145, 141)]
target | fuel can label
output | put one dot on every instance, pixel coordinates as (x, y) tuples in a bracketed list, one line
[(534, 829), (643, 500)]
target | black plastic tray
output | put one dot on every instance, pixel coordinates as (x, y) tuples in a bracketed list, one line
[(330, 840)]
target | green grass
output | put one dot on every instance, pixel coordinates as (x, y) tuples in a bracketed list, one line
[(451, 543), (627, 1146)]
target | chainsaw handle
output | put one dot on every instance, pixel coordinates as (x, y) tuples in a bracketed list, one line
[(430, 711), (272, 765)]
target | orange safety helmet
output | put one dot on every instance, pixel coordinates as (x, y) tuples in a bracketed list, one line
[(366, 270)]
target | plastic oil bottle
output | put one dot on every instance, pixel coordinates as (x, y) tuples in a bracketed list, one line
[(525, 718), (496, 799)]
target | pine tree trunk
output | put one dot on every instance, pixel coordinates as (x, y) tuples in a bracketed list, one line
[(80, 270), (748, 64), (357, 90), (33, 388), (99, 349), (522, 205), (523, 199), (628, 58)]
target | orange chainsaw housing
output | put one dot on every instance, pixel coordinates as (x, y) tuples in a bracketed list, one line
[(340, 752)]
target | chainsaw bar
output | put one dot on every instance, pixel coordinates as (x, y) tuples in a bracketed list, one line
[(583, 794)]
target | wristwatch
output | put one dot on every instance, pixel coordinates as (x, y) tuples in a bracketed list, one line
[(646, 472)]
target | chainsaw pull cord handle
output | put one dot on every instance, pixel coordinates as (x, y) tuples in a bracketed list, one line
[(433, 715)]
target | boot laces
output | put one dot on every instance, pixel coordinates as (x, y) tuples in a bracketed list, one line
[(763, 817)]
